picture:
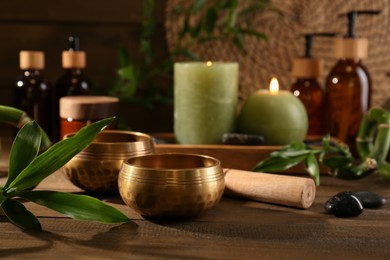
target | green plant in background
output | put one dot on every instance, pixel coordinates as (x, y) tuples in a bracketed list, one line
[(137, 82), (226, 20), (27, 168), (337, 156)]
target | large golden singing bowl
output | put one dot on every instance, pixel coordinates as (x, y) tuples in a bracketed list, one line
[(171, 185), (96, 168)]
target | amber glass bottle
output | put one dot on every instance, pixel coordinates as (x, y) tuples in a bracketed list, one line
[(306, 70), (32, 92), (73, 82), (348, 95), (309, 91), (348, 85)]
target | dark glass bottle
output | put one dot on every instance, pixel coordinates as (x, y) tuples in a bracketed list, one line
[(309, 91), (73, 82), (348, 95), (306, 70), (32, 92), (348, 85)]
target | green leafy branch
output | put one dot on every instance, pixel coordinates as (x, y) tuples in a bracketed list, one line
[(227, 20), (336, 156), (28, 167), (141, 78), (137, 81)]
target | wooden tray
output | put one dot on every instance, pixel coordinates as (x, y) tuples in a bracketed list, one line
[(242, 157)]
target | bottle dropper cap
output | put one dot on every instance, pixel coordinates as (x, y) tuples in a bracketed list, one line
[(31, 60), (307, 66), (73, 58), (350, 46)]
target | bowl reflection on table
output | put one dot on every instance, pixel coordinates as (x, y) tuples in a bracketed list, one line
[(96, 168), (171, 185)]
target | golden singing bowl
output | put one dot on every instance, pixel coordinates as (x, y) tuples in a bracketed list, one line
[(171, 185), (96, 168)]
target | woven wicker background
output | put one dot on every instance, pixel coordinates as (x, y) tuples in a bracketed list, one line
[(274, 57)]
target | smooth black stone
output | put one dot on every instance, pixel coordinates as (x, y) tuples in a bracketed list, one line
[(344, 204), (242, 139), (370, 199)]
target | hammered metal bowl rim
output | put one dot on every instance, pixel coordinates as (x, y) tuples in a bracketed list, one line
[(130, 133), (124, 149), (217, 163)]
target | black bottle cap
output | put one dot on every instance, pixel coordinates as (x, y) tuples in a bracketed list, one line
[(309, 41), (74, 43), (352, 17)]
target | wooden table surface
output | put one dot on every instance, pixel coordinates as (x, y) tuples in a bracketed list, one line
[(234, 229)]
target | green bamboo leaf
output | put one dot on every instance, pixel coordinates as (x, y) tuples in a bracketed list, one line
[(276, 164), (384, 171), (311, 166), (293, 149), (335, 162), (352, 172), (17, 213), (295, 146), (55, 157), (24, 149), (79, 207), (289, 153), (210, 20)]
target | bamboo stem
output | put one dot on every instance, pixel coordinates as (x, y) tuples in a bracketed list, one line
[(373, 154), (19, 118)]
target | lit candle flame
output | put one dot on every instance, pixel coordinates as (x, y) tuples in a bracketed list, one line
[(209, 63), (274, 86)]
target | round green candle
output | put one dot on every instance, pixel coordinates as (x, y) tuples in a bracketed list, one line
[(278, 116), (205, 100)]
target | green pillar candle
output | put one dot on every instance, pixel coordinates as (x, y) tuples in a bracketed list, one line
[(277, 115), (205, 100)]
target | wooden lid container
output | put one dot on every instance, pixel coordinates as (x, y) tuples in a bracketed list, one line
[(307, 68), (31, 60), (351, 48), (74, 59), (88, 107)]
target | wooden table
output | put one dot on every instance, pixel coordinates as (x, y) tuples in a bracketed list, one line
[(234, 229)]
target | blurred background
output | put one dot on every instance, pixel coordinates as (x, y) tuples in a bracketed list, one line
[(112, 31)]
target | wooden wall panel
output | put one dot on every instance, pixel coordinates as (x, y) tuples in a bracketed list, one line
[(82, 11)]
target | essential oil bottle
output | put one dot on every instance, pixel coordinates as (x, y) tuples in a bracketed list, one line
[(348, 85), (306, 70), (32, 91), (73, 82)]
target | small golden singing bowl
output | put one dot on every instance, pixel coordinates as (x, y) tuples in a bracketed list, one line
[(171, 185), (96, 168)]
